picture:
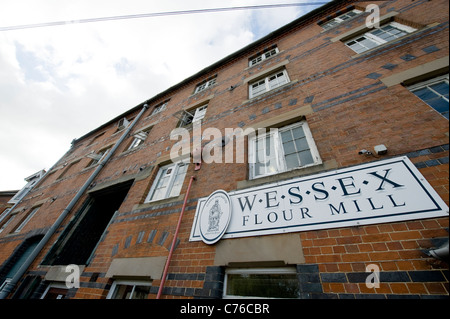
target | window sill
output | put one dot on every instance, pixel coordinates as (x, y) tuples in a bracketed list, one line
[(159, 202), (312, 169), (270, 92)]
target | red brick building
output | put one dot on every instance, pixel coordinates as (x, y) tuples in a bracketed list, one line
[(348, 198)]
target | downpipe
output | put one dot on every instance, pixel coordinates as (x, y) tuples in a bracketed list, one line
[(10, 286), (174, 240), (439, 253)]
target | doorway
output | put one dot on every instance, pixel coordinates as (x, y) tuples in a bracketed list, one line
[(80, 237)]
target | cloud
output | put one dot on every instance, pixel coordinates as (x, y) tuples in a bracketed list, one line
[(58, 83)]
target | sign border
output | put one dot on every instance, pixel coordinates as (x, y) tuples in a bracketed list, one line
[(439, 204)]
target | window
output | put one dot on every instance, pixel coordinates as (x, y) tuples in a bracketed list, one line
[(197, 114), (26, 220), (339, 19), (129, 290), (7, 222), (268, 83), (376, 37), (15, 262), (55, 291), (97, 158), (159, 108), (204, 85), (4, 214), (31, 181), (435, 93), (281, 150), (122, 124), (260, 57), (261, 283), (168, 182), (69, 170), (139, 138)]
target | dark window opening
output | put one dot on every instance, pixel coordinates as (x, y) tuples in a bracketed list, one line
[(10, 268), (80, 237)]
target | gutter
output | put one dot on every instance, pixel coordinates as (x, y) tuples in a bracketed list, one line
[(10, 286)]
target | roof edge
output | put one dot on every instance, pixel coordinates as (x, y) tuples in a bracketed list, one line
[(222, 61)]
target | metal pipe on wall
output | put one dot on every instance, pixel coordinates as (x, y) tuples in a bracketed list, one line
[(172, 248), (10, 286)]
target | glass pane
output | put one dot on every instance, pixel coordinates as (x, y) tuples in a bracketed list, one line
[(425, 94), (122, 292), (160, 190), (263, 285), (306, 158), (277, 80), (141, 292), (292, 161), (301, 144), (266, 162), (178, 182), (298, 132), (355, 46), (289, 148), (439, 104), (286, 136), (441, 88), (260, 169), (258, 88), (369, 44)]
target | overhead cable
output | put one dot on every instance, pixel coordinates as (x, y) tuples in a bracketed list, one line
[(157, 14)]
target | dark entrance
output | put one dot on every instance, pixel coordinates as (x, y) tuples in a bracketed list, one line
[(80, 238)]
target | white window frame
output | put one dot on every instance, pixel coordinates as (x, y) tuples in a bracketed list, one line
[(31, 181), (175, 168), (204, 85), (248, 271), (3, 285), (266, 83), (159, 108), (339, 19), (139, 138), (262, 57), (279, 151), (98, 157), (4, 213), (7, 222), (123, 124), (377, 40), (193, 115), (26, 220), (53, 285), (428, 84), (133, 283)]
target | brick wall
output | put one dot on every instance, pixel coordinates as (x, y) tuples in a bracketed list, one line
[(350, 109)]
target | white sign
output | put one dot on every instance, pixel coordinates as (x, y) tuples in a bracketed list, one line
[(378, 192)]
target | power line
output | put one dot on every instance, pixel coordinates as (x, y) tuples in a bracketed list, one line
[(157, 14)]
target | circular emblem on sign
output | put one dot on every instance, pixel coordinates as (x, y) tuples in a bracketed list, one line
[(215, 217)]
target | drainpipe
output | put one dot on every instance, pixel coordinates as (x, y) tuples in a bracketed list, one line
[(439, 253), (172, 248), (10, 286)]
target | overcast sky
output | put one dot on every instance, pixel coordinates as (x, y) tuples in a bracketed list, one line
[(58, 83)]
